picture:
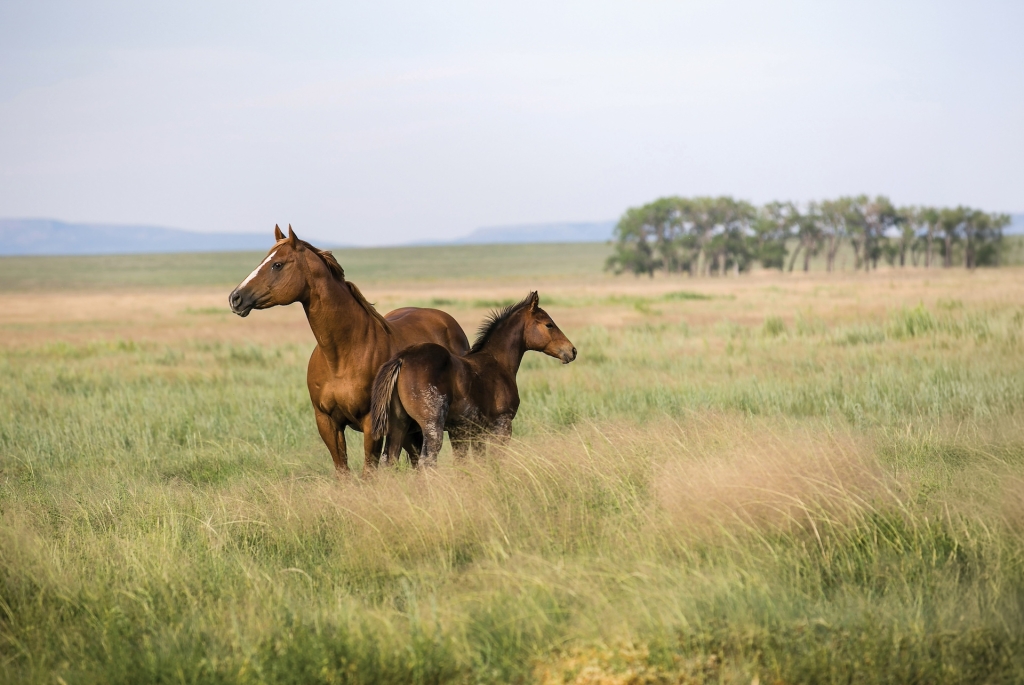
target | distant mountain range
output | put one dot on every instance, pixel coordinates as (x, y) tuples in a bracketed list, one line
[(49, 237)]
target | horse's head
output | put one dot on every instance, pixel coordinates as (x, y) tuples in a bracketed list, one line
[(543, 335), (280, 279)]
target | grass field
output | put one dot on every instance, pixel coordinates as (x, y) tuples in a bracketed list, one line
[(799, 478)]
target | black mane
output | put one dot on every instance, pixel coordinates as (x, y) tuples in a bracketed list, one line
[(495, 319)]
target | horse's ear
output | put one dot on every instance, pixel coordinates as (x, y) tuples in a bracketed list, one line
[(277, 233), (292, 238), (534, 301)]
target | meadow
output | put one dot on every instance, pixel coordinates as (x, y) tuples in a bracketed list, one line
[(776, 478)]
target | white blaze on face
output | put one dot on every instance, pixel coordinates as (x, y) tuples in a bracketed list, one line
[(256, 270)]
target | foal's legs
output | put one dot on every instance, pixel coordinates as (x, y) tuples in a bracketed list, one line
[(431, 418), (413, 445), (427, 405), (500, 432), (398, 430), (461, 441), (433, 438), (502, 429), (399, 436)]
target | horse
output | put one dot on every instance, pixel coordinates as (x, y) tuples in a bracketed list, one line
[(473, 396), (353, 340)]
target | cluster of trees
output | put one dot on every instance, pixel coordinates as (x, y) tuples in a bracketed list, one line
[(715, 235)]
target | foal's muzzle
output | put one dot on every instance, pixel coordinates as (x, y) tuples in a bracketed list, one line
[(568, 356)]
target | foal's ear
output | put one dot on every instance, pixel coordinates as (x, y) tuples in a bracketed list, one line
[(293, 239), (534, 301), (277, 233)]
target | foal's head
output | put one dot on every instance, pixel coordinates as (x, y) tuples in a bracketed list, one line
[(282, 278), (535, 325), (542, 334)]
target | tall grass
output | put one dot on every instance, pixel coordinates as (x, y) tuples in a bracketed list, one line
[(714, 502)]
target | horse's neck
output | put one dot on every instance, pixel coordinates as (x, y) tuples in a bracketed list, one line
[(339, 323), (506, 345)]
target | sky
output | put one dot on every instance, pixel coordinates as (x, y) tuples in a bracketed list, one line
[(391, 122)]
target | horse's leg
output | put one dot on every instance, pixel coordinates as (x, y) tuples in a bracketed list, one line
[(333, 436), (398, 430), (371, 447), (413, 445)]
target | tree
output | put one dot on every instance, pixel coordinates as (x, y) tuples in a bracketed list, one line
[(997, 223), (833, 215), (879, 217), (702, 217), (809, 234), (974, 227), (634, 250), (714, 235), (728, 244), (857, 229), (771, 228), (950, 221), (988, 238), (929, 217), (662, 218), (909, 226)]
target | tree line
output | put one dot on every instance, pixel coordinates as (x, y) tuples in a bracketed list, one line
[(716, 235)]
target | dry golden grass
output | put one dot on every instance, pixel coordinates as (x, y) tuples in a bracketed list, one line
[(174, 314)]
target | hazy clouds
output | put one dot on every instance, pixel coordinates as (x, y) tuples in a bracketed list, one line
[(391, 122)]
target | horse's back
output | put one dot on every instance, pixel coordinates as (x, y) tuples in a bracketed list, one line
[(413, 325)]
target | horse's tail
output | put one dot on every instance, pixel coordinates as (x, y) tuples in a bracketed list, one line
[(380, 396)]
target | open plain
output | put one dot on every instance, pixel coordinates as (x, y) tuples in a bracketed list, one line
[(792, 478)]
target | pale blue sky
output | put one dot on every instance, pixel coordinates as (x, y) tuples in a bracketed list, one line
[(389, 122)]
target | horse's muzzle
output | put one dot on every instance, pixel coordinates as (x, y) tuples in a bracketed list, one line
[(568, 356), (241, 303)]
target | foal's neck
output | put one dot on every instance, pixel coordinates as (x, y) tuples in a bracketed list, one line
[(339, 323), (506, 344)]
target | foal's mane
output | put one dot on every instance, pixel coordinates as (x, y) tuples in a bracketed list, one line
[(495, 319), (329, 260)]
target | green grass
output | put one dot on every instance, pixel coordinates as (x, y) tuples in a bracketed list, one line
[(830, 498), (486, 262), (723, 502)]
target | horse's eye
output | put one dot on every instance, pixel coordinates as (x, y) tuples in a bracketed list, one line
[(277, 266), (550, 325)]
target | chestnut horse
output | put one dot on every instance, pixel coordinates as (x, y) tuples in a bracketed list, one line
[(352, 339), (474, 397)]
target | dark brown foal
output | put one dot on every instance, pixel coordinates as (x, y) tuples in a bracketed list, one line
[(474, 397)]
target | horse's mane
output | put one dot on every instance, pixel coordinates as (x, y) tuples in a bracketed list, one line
[(329, 260), (495, 319), (368, 306)]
